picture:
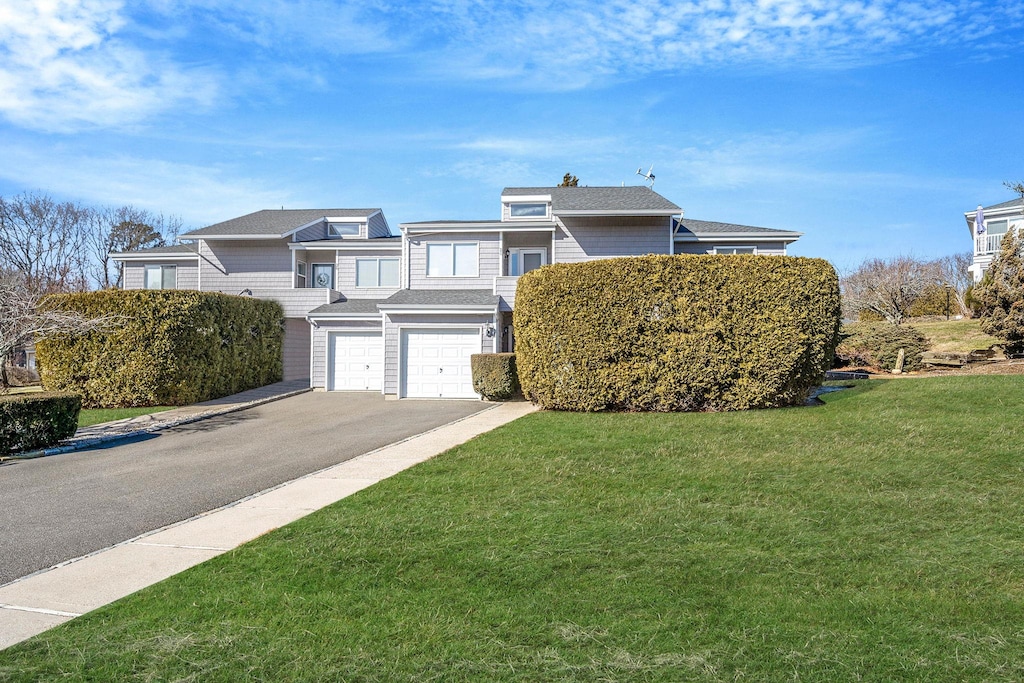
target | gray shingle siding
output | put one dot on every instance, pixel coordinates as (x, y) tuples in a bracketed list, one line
[(708, 247), (590, 238), (378, 226), (296, 349), (187, 273), (489, 262), (233, 266)]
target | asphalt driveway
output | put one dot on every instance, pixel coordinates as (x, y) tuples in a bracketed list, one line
[(65, 506)]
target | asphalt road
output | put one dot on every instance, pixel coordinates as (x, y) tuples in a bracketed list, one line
[(64, 506)]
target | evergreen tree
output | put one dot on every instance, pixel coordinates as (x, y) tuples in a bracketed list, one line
[(1001, 295)]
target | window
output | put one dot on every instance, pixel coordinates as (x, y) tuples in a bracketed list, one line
[(323, 275), (995, 227), (452, 259), (336, 230), (735, 250), (528, 210), (300, 273), (161, 277), (377, 272)]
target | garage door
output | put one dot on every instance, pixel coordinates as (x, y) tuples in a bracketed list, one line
[(356, 361), (435, 363)]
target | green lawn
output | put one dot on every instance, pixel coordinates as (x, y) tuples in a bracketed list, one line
[(960, 336), (94, 416), (875, 538)]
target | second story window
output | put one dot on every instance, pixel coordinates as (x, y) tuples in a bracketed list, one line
[(300, 273), (452, 259), (377, 272), (161, 277), (528, 210), (338, 230)]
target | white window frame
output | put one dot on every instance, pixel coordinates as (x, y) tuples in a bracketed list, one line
[(161, 269), (515, 256), (753, 250), (313, 267), (331, 235), (454, 269), (546, 215), (378, 260), (300, 274)]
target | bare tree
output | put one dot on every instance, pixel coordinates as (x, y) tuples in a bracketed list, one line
[(45, 241), (956, 279), (887, 287), (23, 321), (126, 228)]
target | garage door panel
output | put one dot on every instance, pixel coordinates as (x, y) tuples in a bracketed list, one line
[(358, 361), (436, 364)]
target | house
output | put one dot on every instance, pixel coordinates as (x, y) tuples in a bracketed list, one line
[(401, 314), (998, 219)]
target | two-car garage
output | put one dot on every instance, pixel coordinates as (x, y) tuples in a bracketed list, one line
[(433, 363)]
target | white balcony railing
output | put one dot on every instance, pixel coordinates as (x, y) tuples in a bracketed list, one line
[(987, 244)]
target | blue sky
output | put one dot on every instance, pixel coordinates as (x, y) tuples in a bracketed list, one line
[(871, 126)]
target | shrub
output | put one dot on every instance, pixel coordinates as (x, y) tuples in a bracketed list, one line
[(494, 375), (29, 421), (170, 348), (877, 345), (1001, 295), (671, 333)]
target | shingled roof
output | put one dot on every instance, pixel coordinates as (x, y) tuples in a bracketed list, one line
[(442, 297), (715, 228), (600, 199), (1004, 205), (274, 222)]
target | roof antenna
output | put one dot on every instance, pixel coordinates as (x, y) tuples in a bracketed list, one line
[(649, 176)]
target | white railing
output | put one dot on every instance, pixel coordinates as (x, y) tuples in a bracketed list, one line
[(987, 244)]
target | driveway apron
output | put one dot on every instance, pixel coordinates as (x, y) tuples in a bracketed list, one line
[(68, 505)]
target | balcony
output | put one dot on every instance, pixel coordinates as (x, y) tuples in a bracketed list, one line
[(987, 244)]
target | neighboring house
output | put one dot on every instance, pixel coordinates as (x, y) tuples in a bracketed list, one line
[(401, 315), (998, 220)]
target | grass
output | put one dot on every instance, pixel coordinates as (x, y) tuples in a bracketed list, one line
[(874, 538), (93, 416), (960, 336)]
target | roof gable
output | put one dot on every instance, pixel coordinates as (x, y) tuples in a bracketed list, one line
[(271, 223)]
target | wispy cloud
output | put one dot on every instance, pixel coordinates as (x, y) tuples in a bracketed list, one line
[(64, 65), (573, 43), (199, 194)]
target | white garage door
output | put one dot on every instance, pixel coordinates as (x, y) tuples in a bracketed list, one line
[(356, 361), (435, 363)]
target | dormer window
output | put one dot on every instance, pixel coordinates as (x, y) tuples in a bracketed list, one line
[(340, 230), (528, 210)]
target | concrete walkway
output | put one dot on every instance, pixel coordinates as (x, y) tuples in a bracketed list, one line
[(95, 435), (40, 601)]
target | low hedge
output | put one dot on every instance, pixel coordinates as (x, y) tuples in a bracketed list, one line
[(38, 420), (877, 345), (494, 375), (165, 347), (676, 333)]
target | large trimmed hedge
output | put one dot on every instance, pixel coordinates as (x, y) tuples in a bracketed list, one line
[(37, 420), (676, 333), (165, 347)]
